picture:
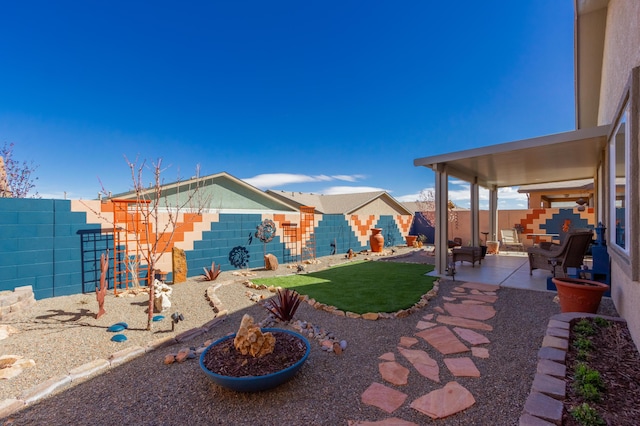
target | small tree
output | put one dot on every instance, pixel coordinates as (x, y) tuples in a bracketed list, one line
[(427, 204), (154, 240), (16, 178), (157, 235)]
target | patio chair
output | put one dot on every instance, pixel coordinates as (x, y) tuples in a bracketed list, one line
[(469, 254), (457, 242), (558, 257), (510, 239)]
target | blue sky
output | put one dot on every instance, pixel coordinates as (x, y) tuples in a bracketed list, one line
[(323, 97)]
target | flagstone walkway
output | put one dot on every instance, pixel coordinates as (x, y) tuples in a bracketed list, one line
[(456, 330)]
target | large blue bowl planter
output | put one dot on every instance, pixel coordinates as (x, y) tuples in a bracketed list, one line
[(256, 383)]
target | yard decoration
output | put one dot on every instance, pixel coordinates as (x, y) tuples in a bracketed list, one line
[(211, 274), (255, 359), (102, 291), (265, 232)]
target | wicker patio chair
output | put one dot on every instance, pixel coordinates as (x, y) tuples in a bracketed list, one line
[(557, 258)]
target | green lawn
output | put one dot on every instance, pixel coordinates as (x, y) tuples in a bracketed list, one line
[(362, 286)]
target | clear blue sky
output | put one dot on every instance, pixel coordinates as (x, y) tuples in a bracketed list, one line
[(307, 96)]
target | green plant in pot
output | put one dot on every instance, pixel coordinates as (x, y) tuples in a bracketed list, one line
[(255, 359)]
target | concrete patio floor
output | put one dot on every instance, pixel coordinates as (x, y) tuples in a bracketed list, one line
[(507, 269)]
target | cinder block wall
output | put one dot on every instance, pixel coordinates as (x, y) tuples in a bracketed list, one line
[(40, 245), (50, 244)]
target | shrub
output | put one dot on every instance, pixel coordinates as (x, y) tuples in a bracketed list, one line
[(586, 415), (284, 305)]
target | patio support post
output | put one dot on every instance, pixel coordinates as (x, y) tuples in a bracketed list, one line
[(493, 213), (475, 213), (442, 222)]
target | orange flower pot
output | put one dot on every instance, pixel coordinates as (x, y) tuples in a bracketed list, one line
[(578, 295), (376, 240)]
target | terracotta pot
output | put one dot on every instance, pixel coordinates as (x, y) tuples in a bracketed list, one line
[(376, 240), (411, 240), (492, 247), (578, 295)]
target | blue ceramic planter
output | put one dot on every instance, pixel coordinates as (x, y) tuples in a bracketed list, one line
[(256, 383)]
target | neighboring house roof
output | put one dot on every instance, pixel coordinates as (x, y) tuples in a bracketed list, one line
[(340, 203), (413, 206), (219, 191)]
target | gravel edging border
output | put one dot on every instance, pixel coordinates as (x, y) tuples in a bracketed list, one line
[(545, 402)]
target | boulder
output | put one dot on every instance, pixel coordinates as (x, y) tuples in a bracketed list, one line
[(270, 262), (179, 262)]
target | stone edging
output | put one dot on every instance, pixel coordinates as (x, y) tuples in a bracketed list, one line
[(545, 403), (372, 316)]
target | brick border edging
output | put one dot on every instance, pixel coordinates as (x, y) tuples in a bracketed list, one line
[(10, 406), (545, 402)]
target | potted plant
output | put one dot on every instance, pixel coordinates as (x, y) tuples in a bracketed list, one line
[(579, 295), (411, 240), (255, 359)]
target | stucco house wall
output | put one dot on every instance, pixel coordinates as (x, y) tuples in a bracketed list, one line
[(621, 55)]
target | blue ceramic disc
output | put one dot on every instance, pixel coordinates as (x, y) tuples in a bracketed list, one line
[(119, 338), (116, 328), (158, 318)]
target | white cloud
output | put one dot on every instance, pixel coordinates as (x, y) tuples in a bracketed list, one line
[(348, 178), (271, 180), (508, 198), (350, 190)]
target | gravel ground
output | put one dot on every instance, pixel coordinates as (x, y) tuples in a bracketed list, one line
[(61, 334)]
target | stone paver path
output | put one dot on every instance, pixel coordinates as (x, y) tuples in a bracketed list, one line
[(457, 331)]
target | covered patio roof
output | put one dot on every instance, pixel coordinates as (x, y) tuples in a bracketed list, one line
[(553, 158)]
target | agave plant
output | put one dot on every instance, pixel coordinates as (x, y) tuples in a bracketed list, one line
[(284, 305), (211, 274)]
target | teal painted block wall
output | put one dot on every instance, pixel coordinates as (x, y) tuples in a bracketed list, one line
[(40, 246), (43, 243), (390, 232), (334, 229)]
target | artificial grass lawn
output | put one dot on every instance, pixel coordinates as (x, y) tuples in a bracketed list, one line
[(362, 286)]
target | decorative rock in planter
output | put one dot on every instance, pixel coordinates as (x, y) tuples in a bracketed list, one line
[(255, 383), (376, 240), (578, 295)]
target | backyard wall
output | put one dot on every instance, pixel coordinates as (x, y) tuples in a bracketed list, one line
[(530, 221), (40, 246), (55, 245)]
